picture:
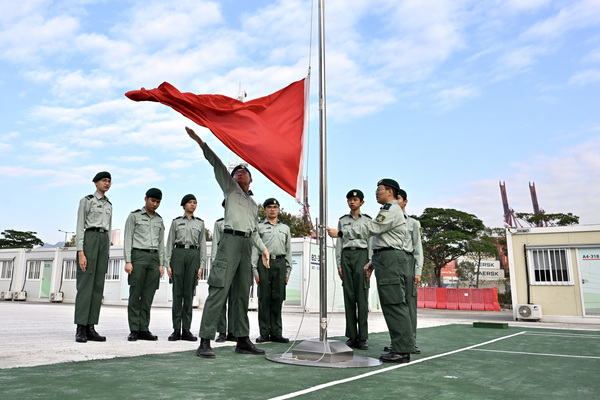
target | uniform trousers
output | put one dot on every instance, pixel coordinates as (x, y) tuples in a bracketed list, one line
[(356, 293), (227, 317), (412, 303), (271, 294), (143, 282), (233, 263), (90, 284), (395, 282), (184, 271)]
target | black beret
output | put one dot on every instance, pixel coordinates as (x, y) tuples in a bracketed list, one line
[(101, 175), (355, 193), (389, 182), (241, 166), (154, 193), (402, 193), (270, 201), (187, 198)]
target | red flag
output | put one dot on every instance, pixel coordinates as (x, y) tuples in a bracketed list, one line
[(267, 132)]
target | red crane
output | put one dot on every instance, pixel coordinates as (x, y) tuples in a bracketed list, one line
[(509, 214)]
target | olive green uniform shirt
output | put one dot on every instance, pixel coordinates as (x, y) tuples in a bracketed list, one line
[(241, 211), (217, 233), (94, 211), (277, 238), (413, 243), (388, 228), (144, 232), (346, 221), (190, 232)]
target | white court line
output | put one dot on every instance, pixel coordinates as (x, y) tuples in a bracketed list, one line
[(379, 371), (566, 335), (537, 354)]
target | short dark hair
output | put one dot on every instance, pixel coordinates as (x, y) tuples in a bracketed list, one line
[(393, 189)]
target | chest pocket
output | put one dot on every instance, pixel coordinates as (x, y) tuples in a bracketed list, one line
[(142, 226)]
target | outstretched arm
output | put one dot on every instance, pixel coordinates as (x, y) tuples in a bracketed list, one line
[(194, 136)]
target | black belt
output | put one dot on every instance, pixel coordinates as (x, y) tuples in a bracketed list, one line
[(355, 248), (186, 246), (146, 250), (237, 233), (375, 251), (274, 257), (97, 229)]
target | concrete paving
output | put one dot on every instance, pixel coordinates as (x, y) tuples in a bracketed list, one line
[(43, 333)]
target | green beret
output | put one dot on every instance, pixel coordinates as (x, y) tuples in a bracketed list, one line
[(101, 175), (154, 193), (355, 193), (270, 201), (389, 182), (187, 198), (241, 167), (402, 193)]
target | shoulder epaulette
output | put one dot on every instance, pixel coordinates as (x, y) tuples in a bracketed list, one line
[(180, 217), (345, 215), (367, 215), (386, 206), (138, 210), (198, 218), (89, 196), (157, 214), (108, 201), (220, 219)]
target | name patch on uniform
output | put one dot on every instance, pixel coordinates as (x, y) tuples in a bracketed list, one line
[(380, 218)]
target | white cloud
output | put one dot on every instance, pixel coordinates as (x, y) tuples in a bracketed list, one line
[(134, 159), (574, 15), (586, 77), (526, 5), (449, 98), (564, 183), (31, 37)]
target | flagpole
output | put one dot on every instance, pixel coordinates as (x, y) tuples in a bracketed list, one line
[(323, 178), (328, 353)]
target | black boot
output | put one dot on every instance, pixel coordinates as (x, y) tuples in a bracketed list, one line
[(93, 335), (204, 349), (80, 335), (245, 346), (221, 338), (187, 335), (176, 335)]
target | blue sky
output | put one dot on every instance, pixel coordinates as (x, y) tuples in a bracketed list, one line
[(446, 97)]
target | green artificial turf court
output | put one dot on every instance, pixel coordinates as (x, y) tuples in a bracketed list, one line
[(458, 362)]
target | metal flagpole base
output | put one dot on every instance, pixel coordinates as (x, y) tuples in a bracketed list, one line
[(331, 354)]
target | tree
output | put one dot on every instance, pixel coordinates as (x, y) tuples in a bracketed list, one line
[(446, 234), (19, 240), (482, 247), (465, 271), (71, 242), (298, 227), (558, 219)]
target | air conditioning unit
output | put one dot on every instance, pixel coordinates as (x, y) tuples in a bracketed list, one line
[(20, 296), (195, 302), (253, 304), (529, 312), (56, 297), (6, 295)]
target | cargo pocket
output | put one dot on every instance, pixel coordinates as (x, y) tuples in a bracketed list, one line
[(391, 291), (216, 276)]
